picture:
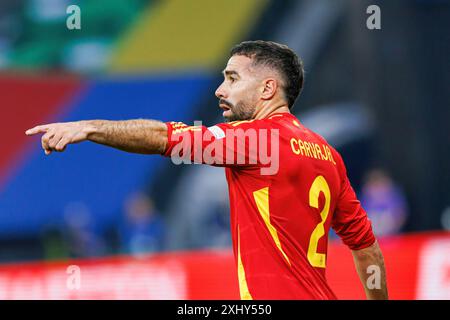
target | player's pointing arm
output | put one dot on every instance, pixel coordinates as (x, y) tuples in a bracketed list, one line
[(138, 136)]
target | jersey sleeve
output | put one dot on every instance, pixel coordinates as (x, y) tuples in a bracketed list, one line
[(350, 220), (238, 143)]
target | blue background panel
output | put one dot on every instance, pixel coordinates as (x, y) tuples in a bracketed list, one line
[(98, 176)]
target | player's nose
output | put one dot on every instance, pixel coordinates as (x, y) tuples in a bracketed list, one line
[(220, 92)]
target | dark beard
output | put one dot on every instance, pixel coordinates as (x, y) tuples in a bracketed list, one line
[(240, 112)]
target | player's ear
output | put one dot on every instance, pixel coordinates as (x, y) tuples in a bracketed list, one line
[(269, 88)]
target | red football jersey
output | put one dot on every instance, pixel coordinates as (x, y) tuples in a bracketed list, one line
[(287, 187)]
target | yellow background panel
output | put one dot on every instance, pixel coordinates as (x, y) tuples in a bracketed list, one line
[(176, 34)]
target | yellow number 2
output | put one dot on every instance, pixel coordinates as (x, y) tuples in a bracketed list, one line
[(319, 185)]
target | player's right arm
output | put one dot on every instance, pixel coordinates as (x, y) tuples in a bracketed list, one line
[(137, 136), (230, 144)]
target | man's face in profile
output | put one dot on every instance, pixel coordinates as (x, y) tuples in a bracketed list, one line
[(238, 93)]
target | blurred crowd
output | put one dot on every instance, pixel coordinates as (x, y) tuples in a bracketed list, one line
[(385, 203), (141, 230)]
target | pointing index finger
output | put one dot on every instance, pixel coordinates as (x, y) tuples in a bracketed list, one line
[(36, 130)]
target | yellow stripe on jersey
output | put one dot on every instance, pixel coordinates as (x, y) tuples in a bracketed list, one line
[(189, 128), (262, 202), (237, 123), (243, 288), (275, 115)]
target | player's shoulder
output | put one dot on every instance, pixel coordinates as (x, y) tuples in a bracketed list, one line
[(333, 150), (313, 137)]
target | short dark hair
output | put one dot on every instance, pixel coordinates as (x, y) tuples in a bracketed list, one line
[(279, 57)]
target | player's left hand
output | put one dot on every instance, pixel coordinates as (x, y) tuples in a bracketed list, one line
[(58, 135)]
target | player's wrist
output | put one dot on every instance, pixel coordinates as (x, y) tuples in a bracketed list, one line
[(90, 128)]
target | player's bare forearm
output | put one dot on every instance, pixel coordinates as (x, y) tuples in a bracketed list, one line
[(137, 136), (369, 264)]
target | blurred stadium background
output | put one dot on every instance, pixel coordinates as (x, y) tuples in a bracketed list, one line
[(140, 227)]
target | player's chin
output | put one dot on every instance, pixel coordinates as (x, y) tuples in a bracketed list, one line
[(228, 119), (228, 115)]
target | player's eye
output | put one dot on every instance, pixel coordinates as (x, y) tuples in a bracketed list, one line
[(232, 79)]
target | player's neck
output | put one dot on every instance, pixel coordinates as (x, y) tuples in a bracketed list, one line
[(266, 111)]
